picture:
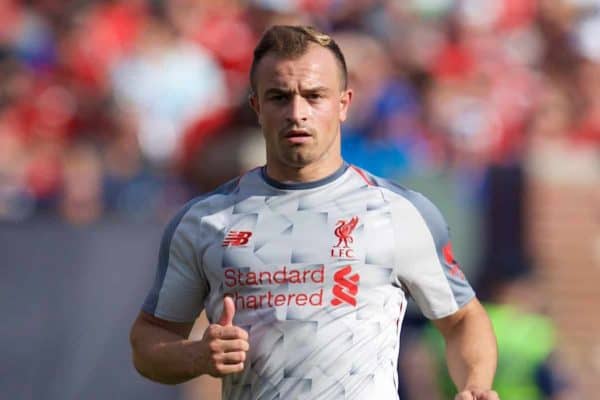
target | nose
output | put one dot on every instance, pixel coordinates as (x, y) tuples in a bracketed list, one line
[(297, 110)]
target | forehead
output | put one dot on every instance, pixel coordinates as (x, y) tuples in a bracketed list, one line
[(316, 67)]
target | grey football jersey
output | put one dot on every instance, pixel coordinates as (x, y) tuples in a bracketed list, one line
[(319, 272)]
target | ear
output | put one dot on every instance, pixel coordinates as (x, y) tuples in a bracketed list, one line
[(253, 101), (345, 100)]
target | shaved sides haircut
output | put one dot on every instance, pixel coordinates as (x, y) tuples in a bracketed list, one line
[(290, 42)]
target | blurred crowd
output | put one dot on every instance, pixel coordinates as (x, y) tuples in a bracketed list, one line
[(128, 108)]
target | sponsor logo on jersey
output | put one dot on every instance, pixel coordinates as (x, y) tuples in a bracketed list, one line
[(295, 280), (346, 286), (343, 232), (455, 270), (237, 238), (301, 286)]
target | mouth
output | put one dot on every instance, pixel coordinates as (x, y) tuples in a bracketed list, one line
[(297, 136)]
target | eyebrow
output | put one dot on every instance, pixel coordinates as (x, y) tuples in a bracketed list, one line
[(317, 89), (276, 91)]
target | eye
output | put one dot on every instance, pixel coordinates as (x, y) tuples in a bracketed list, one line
[(277, 97)]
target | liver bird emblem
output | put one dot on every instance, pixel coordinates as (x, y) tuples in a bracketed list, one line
[(343, 231)]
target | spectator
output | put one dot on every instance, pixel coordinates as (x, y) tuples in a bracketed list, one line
[(168, 82), (80, 200), (383, 134)]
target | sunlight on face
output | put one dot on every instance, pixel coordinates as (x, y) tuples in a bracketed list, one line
[(300, 104)]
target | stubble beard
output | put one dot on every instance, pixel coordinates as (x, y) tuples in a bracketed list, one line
[(303, 155), (299, 156)]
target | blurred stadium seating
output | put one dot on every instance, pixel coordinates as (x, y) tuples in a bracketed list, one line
[(113, 113)]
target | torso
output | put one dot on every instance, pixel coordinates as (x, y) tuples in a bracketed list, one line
[(317, 278)]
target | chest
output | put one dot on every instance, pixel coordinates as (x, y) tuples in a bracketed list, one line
[(298, 258), (276, 233)]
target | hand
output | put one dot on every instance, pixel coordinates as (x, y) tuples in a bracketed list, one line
[(477, 394), (224, 344)]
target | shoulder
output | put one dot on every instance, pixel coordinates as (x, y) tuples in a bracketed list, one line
[(395, 192), (202, 205)]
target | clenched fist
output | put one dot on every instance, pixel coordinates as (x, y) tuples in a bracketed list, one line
[(224, 344), (476, 394)]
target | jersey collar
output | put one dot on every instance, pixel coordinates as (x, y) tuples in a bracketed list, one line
[(302, 185)]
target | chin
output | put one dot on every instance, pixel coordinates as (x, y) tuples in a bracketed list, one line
[(298, 162), (298, 158)]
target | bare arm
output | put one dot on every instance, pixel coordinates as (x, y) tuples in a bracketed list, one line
[(162, 352), (471, 351)]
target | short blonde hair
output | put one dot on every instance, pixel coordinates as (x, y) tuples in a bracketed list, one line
[(288, 41)]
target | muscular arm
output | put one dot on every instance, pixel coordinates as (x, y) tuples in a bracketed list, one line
[(162, 352), (471, 350)]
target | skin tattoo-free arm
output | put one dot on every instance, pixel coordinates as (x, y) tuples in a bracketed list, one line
[(162, 352), (471, 351)]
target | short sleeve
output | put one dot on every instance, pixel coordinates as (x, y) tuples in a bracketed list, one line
[(427, 267), (179, 288)]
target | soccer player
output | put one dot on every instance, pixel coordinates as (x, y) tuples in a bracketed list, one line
[(304, 266)]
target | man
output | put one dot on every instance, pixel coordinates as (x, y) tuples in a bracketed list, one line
[(304, 266)]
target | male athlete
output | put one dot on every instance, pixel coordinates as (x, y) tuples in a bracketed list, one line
[(304, 266)]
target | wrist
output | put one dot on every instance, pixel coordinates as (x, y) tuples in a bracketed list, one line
[(198, 358)]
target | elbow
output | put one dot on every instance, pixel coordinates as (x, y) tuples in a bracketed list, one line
[(147, 367), (139, 366), (138, 346), (151, 353), (136, 355), (144, 368), (146, 372)]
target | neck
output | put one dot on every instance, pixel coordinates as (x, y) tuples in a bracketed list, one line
[(307, 173)]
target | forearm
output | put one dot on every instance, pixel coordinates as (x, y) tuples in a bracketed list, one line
[(471, 351), (165, 362), (162, 352), (165, 356)]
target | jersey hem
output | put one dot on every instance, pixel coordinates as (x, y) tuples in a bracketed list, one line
[(169, 318), (458, 308)]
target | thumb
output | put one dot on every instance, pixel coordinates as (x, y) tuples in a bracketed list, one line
[(228, 312)]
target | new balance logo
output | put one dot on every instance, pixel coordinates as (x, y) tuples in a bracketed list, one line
[(452, 263), (346, 287), (237, 238)]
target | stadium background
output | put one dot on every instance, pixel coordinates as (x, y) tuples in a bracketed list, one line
[(113, 113)]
